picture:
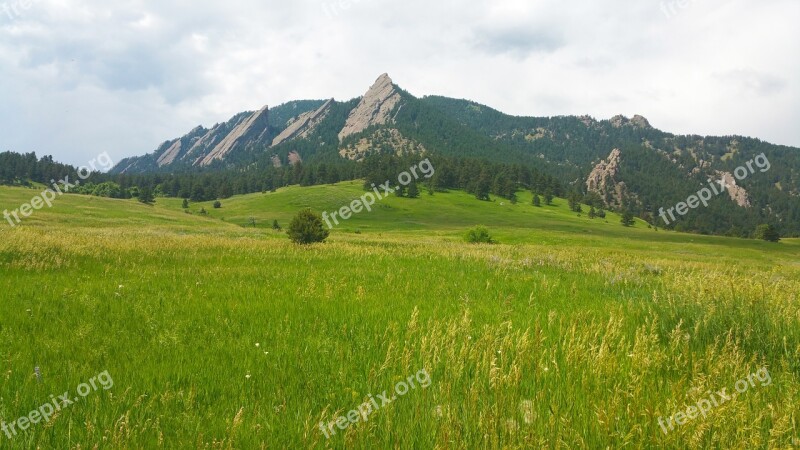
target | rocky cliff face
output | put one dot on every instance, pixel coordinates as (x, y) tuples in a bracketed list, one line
[(737, 193), (637, 122), (375, 107), (202, 146), (303, 125), (604, 180), (248, 133)]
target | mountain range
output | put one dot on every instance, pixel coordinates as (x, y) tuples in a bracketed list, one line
[(626, 161)]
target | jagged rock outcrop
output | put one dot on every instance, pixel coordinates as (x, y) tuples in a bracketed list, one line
[(374, 108), (588, 121), (604, 180), (294, 158), (249, 131), (304, 124), (640, 122), (637, 122), (737, 193)]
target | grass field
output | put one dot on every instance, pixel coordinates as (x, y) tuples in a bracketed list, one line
[(569, 333)]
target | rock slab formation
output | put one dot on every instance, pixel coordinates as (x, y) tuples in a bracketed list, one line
[(304, 124), (737, 193), (250, 130), (603, 180), (374, 108)]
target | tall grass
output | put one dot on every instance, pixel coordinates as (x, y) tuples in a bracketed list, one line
[(223, 337)]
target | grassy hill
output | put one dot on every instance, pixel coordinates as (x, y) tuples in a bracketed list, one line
[(570, 333)]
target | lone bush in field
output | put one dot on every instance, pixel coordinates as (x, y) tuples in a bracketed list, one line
[(768, 233), (307, 228), (479, 235)]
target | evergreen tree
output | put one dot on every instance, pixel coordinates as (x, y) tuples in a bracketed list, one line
[(536, 201), (768, 233), (482, 187), (627, 219), (146, 195), (185, 204), (548, 197), (413, 190), (307, 228)]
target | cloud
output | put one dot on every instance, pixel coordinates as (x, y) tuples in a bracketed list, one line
[(755, 82), (85, 76), (520, 41)]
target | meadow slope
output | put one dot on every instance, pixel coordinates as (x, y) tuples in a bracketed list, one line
[(569, 333)]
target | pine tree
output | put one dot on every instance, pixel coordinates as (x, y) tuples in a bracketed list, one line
[(185, 203), (146, 195), (548, 197), (483, 186), (627, 219), (536, 201), (768, 233), (413, 190)]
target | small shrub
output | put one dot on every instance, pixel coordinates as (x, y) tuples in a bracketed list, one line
[(479, 235), (307, 228), (217, 205)]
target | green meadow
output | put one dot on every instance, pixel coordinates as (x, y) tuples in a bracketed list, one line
[(567, 333)]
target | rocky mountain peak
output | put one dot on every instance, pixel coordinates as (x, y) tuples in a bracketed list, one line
[(640, 122), (637, 122), (374, 108)]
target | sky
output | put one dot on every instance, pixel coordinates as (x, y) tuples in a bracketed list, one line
[(80, 78)]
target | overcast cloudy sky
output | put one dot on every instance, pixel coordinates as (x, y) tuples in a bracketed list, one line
[(78, 78)]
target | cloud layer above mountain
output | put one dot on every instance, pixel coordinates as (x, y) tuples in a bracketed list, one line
[(83, 77)]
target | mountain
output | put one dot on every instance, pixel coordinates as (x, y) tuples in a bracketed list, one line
[(250, 131), (623, 163)]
